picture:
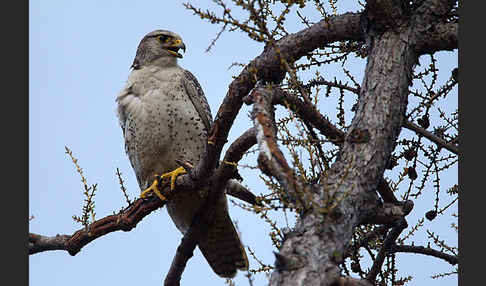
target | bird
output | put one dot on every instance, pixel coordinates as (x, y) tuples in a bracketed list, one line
[(164, 116)]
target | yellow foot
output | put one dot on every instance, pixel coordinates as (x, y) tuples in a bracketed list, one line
[(154, 187)]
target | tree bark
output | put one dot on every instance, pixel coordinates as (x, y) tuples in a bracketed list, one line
[(311, 253)]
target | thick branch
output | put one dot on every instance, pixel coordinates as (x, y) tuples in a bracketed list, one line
[(240, 146), (431, 31), (389, 214), (40, 243), (237, 190), (271, 159), (125, 220), (438, 37), (234, 154)]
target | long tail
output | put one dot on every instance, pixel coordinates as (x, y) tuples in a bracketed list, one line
[(221, 246)]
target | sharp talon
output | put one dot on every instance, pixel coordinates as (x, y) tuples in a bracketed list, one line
[(153, 188), (210, 142), (173, 176)]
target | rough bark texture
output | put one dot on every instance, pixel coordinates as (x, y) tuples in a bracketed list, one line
[(310, 254), (40, 243), (271, 159)]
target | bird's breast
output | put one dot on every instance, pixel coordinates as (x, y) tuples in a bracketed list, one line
[(161, 124)]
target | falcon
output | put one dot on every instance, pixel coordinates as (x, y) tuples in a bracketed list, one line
[(165, 117)]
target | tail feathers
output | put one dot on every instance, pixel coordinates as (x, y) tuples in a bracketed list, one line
[(221, 246)]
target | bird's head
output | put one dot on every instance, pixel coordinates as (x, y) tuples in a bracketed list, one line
[(158, 47)]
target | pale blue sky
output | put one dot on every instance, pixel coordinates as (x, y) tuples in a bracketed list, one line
[(80, 53)]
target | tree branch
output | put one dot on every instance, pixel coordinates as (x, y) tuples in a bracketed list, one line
[(452, 259), (437, 140), (126, 220), (384, 13), (389, 214), (40, 243), (271, 159), (385, 250), (310, 114), (314, 82), (349, 281), (438, 37), (376, 233), (234, 154), (432, 32)]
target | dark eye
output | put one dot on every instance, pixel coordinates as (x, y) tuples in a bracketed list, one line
[(163, 38)]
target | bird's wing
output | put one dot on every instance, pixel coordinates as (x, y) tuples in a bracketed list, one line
[(122, 114), (127, 125), (196, 94)]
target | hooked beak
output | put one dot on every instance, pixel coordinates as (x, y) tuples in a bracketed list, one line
[(175, 46)]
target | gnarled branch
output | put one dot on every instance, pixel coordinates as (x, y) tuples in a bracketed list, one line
[(126, 220)]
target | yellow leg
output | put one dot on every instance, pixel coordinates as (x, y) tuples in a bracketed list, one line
[(172, 175), (153, 188)]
